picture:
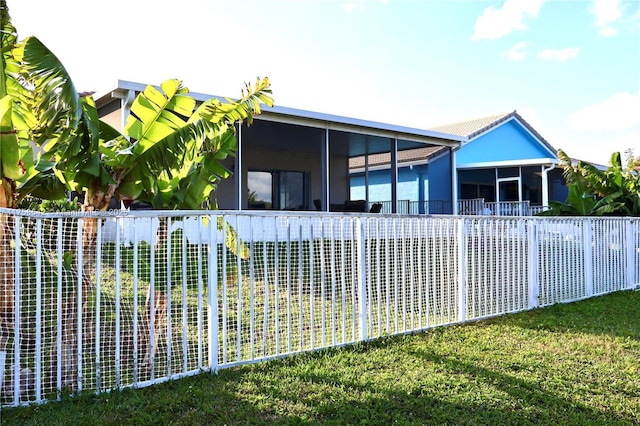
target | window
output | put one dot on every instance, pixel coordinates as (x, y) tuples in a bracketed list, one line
[(277, 190)]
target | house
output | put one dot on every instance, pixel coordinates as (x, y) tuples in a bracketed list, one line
[(506, 160), (503, 161), (290, 159)]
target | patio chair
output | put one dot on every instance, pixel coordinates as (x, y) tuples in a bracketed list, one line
[(376, 208)]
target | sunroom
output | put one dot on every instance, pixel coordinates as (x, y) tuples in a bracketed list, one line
[(291, 159)]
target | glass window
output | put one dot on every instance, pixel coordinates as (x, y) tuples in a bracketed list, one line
[(260, 186), (277, 190), (507, 172)]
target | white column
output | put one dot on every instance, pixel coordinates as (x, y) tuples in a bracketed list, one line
[(325, 172), (454, 182), (393, 170), (238, 170), (545, 184)]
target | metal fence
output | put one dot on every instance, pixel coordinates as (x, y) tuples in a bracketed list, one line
[(100, 302)]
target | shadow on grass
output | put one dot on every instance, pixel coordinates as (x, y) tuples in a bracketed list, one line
[(200, 400), (616, 314), (443, 402), (364, 384)]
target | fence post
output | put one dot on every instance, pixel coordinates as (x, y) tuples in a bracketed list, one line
[(631, 254), (462, 288), (17, 307), (533, 259), (587, 236), (362, 278), (212, 295)]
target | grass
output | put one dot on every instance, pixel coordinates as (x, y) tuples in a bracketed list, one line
[(573, 364)]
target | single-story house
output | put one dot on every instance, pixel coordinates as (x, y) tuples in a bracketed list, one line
[(291, 159), (503, 160)]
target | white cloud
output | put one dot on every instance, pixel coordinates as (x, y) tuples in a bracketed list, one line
[(560, 55), (351, 5), (354, 5), (530, 115), (624, 142), (607, 31), (619, 111), (516, 53), (606, 12), (495, 23)]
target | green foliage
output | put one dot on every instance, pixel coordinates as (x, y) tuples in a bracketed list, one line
[(177, 153), (594, 192), (37, 105), (172, 161), (49, 206)]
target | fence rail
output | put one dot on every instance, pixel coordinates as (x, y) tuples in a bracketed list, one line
[(100, 302), (473, 207)]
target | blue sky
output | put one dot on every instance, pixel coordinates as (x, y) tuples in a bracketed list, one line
[(570, 68)]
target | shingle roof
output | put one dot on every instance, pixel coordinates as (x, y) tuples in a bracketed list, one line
[(404, 156), (473, 128)]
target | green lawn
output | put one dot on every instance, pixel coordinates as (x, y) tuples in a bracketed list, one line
[(573, 364)]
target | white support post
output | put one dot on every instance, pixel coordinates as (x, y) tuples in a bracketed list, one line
[(3, 358), (136, 273), (394, 176), (38, 360), (587, 237), (462, 288), (238, 171), (118, 343), (212, 293), (631, 254), (362, 278), (534, 283), (98, 283), (325, 172), (17, 315), (454, 182), (80, 308)]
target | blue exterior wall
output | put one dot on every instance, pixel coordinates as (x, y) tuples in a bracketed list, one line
[(415, 183), (508, 142), (440, 178), (409, 183)]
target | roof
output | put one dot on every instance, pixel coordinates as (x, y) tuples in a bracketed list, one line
[(320, 120), (406, 156), (474, 128)]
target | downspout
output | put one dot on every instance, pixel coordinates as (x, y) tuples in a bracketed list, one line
[(545, 184)]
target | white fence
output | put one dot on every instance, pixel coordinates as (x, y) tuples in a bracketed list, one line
[(130, 300), (474, 206)]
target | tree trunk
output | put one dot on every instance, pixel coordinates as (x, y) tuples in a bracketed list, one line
[(158, 310), (75, 306), (7, 274)]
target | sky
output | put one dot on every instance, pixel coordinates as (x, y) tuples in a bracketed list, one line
[(570, 68)]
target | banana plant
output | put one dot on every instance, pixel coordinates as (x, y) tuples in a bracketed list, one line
[(27, 118), (161, 121), (166, 136), (594, 192)]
